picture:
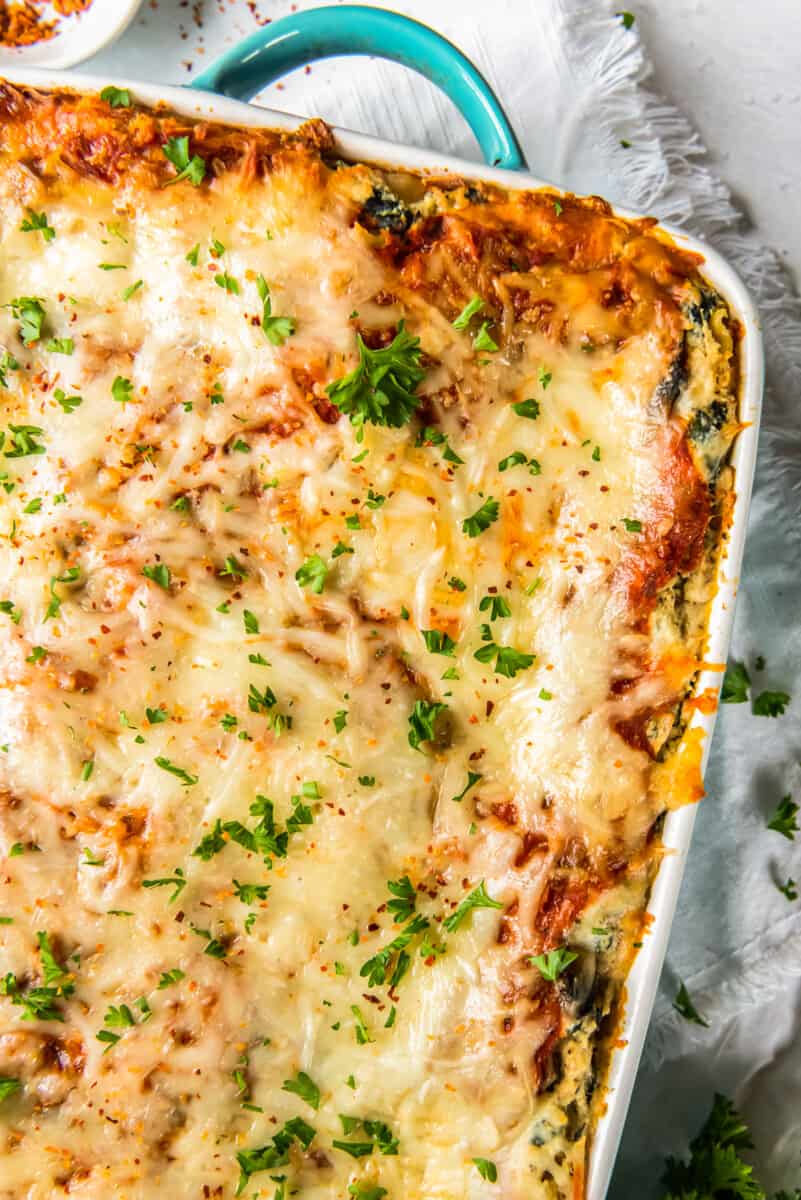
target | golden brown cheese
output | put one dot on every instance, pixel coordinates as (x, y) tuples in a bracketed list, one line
[(334, 754)]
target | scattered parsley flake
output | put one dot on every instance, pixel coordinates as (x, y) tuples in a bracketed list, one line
[(193, 168), (116, 97), (783, 820), (158, 573), (186, 779), (37, 223), (304, 1087), (770, 704), (473, 306), (482, 518), (527, 408), (422, 720), (472, 779), (552, 964), (486, 1169), (685, 1008), (312, 574), (438, 642), (478, 898), (276, 329), (122, 390)]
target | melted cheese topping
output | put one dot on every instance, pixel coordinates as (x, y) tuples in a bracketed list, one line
[(164, 671)]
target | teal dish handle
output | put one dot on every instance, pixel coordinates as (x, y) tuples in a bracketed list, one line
[(356, 29)]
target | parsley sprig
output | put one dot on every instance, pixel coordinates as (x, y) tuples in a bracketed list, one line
[(276, 329), (381, 389), (193, 167)]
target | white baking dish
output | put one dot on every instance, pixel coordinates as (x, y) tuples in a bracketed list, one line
[(644, 977)]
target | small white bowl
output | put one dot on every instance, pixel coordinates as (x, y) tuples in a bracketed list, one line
[(79, 36)]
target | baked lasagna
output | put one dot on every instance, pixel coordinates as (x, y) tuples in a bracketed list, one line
[(359, 530)]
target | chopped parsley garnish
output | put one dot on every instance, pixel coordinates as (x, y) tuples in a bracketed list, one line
[(68, 403), (340, 549), (508, 661), (374, 499), (168, 978), (193, 255), (193, 168), (527, 408), (789, 889), (632, 525), (783, 820), (275, 1153), (483, 340), (9, 609), (54, 607), (304, 1087), (516, 459), (122, 390), (158, 573), (486, 1169), (340, 719), (29, 311), (596, 454), (545, 695), (482, 518), (33, 506), (626, 19), (354, 1149), (8, 1087), (366, 1191), (736, 683), (112, 267), (360, 1029), (473, 306), (544, 377), (405, 898), (232, 569), (276, 329), (497, 606), (37, 223), (478, 898), (438, 642), (430, 436), (132, 289), (156, 716), (353, 521), (685, 1008), (186, 779), (36, 655), (312, 574), (552, 964), (119, 1017), (23, 440), (422, 720), (472, 779), (770, 704), (227, 283), (456, 584), (381, 389), (211, 843), (249, 893), (7, 363), (367, 780), (116, 97), (251, 621)]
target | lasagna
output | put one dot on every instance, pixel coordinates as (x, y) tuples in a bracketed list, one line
[(359, 531)]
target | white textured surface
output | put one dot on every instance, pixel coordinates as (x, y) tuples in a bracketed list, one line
[(736, 73)]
